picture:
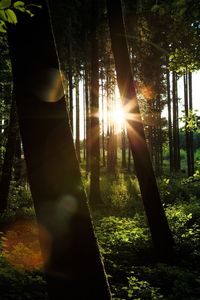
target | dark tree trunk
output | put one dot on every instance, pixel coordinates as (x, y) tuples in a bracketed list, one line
[(176, 157), (129, 158), (187, 133), (73, 266), (123, 143), (191, 141), (70, 78), (169, 123), (18, 159), (161, 235), (84, 122), (77, 122), (102, 124), (8, 158), (95, 194), (87, 107)]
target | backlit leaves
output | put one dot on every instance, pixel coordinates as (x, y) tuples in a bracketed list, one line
[(8, 15), (5, 4), (11, 16)]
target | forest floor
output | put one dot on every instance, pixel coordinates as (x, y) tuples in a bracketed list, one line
[(124, 238)]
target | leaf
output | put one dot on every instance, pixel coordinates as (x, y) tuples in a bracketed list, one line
[(5, 4), (2, 26), (11, 16), (3, 15), (20, 6)]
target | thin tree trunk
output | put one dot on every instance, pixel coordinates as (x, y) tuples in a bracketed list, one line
[(8, 158), (169, 123), (77, 122), (187, 133), (73, 266), (161, 235), (95, 194), (87, 107), (123, 143), (129, 158), (18, 160), (191, 141), (175, 125), (102, 124), (84, 122), (70, 77)]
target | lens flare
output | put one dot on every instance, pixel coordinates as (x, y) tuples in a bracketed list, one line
[(21, 245)]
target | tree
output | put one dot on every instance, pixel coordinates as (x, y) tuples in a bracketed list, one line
[(95, 194), (161, 234), (6, 175), (72, 261)]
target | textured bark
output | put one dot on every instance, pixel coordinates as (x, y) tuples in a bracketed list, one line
[(73, 265), (161, 235)]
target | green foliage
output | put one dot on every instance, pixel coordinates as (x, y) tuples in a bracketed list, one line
[(141, 289), (183, 59), (15, 284), (20, 204), (8, 15), (191, 121), (5, 4), (121, 194)]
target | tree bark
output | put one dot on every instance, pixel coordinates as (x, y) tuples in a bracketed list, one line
[(161, 235), (176, 157), (123, 143), (70, 78), (187, 133), (191, 141), (77, 122), (169, 123), (73, 265), (95, 194), (8, 158)]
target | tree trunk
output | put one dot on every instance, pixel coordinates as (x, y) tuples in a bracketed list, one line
[(102, 124), (169, 122), (84, 122), (77, 122), (95, 194), (8, 158), (70, 78), (123, 143), (161, 235), (191, 141), (175, 124), (187, 133), (73, 266), (87, 107)]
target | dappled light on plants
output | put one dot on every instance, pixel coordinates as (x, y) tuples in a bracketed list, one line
[(147, 92)]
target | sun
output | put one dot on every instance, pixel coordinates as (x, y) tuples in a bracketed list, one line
[(118, 118)]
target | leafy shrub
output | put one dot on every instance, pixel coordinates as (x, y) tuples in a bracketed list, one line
[(141, 289)]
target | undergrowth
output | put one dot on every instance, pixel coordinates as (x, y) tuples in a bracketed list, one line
[(124, 240)]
